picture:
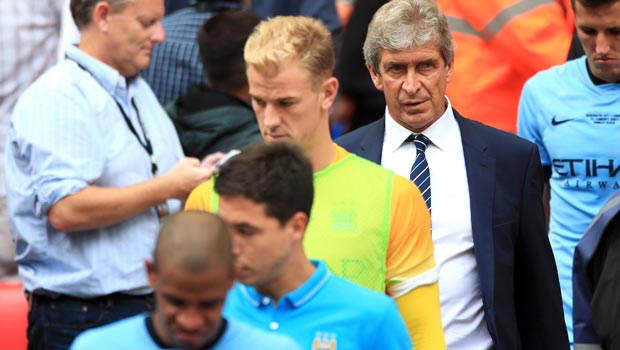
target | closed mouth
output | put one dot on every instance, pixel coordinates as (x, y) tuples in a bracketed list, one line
[(605, 60), (413, 103)]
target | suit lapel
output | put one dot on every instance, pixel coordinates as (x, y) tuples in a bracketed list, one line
[(480, 167), (371, 144)]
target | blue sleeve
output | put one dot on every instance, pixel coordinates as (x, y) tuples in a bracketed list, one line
[(528, 121)]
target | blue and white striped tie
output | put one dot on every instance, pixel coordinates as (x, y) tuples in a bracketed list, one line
[(420, 173)]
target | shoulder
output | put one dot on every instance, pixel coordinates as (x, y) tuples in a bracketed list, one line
[(360, 307), (403, 187), (146, 92), (361, 161), (242, 336), (61, 89), (554, 76), (494, 140), (354, 298), (119, 334), (62, 79), (376, 177), (200, 197), (238, 299)]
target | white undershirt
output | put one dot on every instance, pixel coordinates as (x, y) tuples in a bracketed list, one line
[(459, 286)]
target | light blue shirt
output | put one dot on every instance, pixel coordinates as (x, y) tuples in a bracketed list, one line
[(133, 334), (326, 312), (67, 133), (576, 126)]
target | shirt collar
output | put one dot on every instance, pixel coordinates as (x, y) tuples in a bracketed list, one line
[(299, 296), (396, 134), (109, 78)]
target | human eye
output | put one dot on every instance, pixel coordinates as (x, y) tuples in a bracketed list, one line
[(146, 22), (210, 304), (258, 102), (588, 31), (426, 66), (395, 68), (175, 301), (285, 103), (245, 230)]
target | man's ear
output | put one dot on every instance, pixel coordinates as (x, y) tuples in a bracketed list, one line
[(299, 223), (376, 77), (150, 272), (449, 70), (101, 15), (329, 90)]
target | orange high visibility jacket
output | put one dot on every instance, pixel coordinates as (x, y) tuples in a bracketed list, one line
[(499, 45)]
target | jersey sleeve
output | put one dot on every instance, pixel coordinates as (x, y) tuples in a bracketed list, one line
[(410, 261), (412, 276), (201, 198), (528, 119), (420, 309)]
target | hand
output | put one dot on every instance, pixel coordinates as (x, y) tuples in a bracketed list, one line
[(210, 160), (186, 175)]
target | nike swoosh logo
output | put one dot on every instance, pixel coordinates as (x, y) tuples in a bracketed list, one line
[(555, 122)]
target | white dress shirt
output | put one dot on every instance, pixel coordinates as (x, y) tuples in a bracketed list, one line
[(459, 285)]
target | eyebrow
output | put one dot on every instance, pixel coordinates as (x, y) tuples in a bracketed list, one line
[(287, 99), (393, 63)]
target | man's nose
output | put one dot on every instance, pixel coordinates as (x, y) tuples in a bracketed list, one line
[(190, 320), (411, 82), (158, 34), (602, 43), (236, 246), (271, 116)]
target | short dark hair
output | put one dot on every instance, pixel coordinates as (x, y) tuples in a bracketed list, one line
[(277, 175), (82, 10), (221, 40), (592, 3)]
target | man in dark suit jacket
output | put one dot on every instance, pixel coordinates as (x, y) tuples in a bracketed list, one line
[(498, 280)]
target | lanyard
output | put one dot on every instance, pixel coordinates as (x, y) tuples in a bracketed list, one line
[(147, 142)]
